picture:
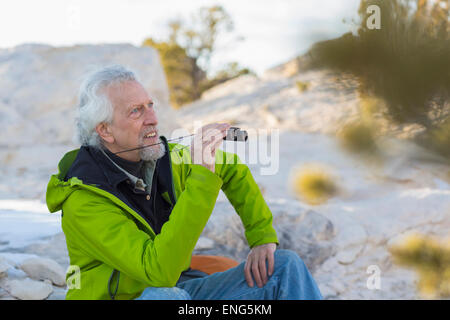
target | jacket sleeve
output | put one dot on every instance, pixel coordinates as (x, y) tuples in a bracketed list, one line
[(105, 232), (246, 198)]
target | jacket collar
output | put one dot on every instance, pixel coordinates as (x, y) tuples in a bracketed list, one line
[(138, 183), (92, 167), (113, 174)]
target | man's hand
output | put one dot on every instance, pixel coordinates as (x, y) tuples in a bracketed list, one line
[(256, 264), (206, 140)]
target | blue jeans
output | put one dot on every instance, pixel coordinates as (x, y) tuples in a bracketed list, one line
[(290, 280)]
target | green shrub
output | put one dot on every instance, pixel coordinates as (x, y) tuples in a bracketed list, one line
[(358, 137), (430, 259), (438, 139), (371, 107), (302, 86), (313, 184), (406, 62)]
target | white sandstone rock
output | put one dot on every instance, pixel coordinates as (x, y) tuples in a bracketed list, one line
[(44, 269), (4, 266), (58, 294), (204, 243), (28, 289), (39, 86), (14, 273)]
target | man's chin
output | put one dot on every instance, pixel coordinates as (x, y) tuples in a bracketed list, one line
[(153, 153)]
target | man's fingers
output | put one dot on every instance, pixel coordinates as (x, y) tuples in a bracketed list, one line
[(256, 274), (211, 127), (262, 268), (247, 274), (212, 140), (206, 140), (271, 262), (217, 132), (205, 133), (260, 265)]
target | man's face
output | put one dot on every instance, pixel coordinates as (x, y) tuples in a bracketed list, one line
[(134, 122)]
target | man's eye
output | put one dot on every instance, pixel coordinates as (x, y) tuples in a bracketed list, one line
[(136, 110)]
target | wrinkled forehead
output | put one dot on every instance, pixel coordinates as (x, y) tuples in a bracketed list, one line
[(126, 94)]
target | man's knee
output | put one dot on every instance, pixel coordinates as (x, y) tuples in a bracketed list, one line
[(174, 293), (286, 257)]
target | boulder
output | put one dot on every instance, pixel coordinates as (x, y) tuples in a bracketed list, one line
[(54, 248), (4, 266), (4, 295), (58, 294), (226, 230), (14, 273), (44, 269), (204, 243), (39, 86), (306, 232), (27, 289), (309, 224)]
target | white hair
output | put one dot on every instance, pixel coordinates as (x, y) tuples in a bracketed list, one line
[(94, 106)]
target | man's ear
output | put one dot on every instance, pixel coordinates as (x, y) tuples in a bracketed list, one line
[(104, 131)]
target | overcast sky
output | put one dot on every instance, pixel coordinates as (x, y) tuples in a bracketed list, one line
[(273, 30)]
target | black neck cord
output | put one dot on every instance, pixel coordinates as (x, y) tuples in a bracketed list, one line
[(154, 144)]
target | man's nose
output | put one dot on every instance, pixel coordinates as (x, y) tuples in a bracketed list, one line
[(150, 117)]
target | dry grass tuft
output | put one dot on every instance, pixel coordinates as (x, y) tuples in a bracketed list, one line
[(430, 258), (314, 184)]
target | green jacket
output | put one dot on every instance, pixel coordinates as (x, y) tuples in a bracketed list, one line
[(116, 249)]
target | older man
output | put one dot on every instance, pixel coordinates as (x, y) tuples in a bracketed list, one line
[(133, 206)]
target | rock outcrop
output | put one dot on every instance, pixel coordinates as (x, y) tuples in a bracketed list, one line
[(39, 87), (44, 269), (306, 232), (30, 278)]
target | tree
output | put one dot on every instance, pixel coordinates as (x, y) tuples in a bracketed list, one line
[(180, 71), (186, 54)]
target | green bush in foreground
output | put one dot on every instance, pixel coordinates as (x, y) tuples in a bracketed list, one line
[(406, 62), (438, 139), (430, 259)]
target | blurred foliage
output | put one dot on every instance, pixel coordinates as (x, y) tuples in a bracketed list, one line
[(430, 259), (314, 184), (180, 71), (187, 52), (406, 62), (359, 137), (438, 139), (302, 86), (371, 107), (232, 70)]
